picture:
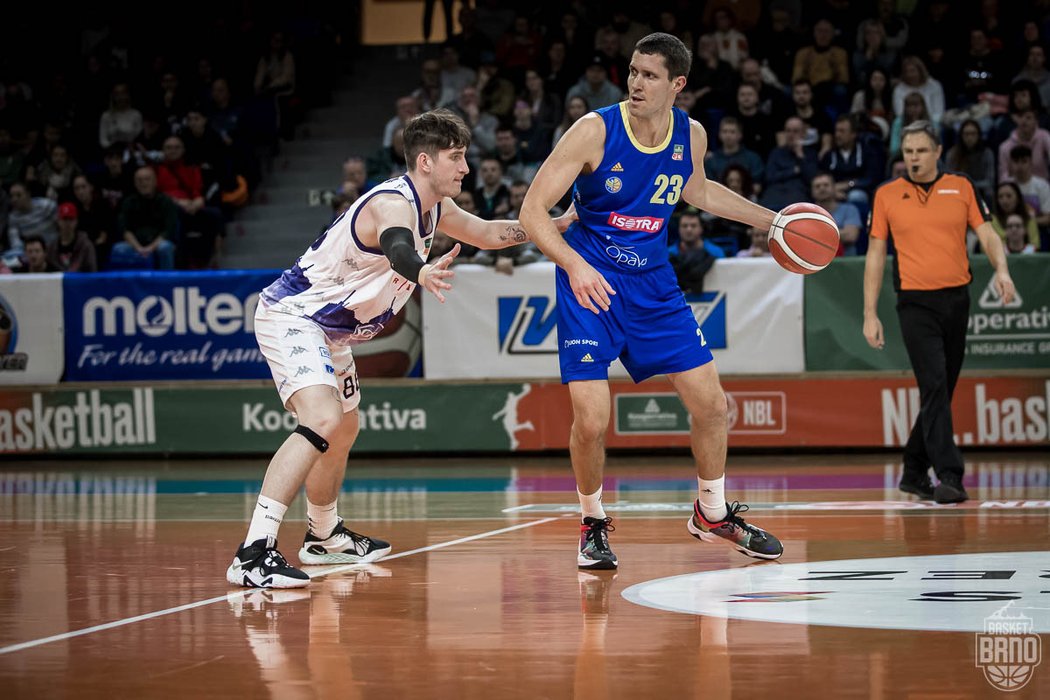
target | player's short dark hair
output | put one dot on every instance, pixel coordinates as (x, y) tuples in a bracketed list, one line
[(921, 126), (677, 56), (433, 131)]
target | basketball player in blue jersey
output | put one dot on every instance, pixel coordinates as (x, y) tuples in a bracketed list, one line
[(354, 278), (617, 296)]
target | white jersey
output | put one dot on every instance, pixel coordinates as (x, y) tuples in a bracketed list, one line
[(342, 285)]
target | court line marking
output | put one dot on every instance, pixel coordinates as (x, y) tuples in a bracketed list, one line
[(244, 591)]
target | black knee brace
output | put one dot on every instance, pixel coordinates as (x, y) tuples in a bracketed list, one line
[(316, 440)]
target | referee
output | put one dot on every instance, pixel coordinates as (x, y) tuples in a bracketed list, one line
[(927, 213)]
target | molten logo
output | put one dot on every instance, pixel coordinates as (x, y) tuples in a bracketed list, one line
[(636, 223)]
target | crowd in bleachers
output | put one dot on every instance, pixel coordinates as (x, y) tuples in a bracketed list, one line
[(802, 101), (122, 149)]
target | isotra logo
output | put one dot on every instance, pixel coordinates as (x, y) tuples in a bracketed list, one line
[(636, 223)]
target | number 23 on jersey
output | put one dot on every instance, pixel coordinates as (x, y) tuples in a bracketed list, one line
[(668, 189)]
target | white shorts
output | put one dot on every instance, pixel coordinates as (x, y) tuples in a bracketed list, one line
[(299, 355)]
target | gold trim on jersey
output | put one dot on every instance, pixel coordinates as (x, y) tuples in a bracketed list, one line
[(630, 134)]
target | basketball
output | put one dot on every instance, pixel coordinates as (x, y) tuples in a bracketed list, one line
[(803, 238)]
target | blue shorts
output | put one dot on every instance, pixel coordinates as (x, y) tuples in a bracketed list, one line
[(649, 326)]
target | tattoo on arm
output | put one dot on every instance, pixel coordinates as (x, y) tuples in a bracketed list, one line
[(513, 235)]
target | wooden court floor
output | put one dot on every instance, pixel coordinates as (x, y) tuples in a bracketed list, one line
[(113, 585)]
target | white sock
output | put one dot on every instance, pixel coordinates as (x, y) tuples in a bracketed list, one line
[(713, 498), (591, 505), (266, 519), (322, 519)]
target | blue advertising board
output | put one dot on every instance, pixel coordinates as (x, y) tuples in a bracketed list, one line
[(163, 325)]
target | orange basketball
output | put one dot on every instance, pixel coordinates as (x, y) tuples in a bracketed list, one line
[(803, 238)]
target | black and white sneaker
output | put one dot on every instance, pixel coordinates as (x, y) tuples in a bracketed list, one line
[(594, 544), (343, 546), (260, 565)]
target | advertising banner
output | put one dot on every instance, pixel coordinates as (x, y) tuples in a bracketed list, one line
[(30, 329), (1016, 336), (163, 325), (500, 326), (439, 417)]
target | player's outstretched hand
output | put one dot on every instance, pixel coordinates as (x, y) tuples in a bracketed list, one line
[(432, 277), (590, 287)]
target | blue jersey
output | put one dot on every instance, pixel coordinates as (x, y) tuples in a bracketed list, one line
[(624, 205)]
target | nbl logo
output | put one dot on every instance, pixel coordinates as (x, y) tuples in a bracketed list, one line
[(1008, 651), (527, 325)]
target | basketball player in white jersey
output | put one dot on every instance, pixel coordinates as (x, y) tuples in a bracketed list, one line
[(353, 279)]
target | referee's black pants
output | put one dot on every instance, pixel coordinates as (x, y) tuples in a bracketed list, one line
[(933, 324)]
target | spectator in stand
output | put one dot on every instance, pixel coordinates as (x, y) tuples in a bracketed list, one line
[(275, 80), (1015, 240), (492, 197), (692, 256), (1036, 139), (94, 217), (509, 153), (546, 107), (116, 181), (496, 92), (575, 41), (629, 30), (617, 67), (711, 79), (892, 29), (818, 125), (875, 102), (206, 149), (29, 216), (1035, 190), (200, 225), (973, 158), (772, 100), (730, 152), (1035, 71), (981, 70), (916, 79), (482, 125), (355, 178), (505, 260), (470, 42), (856, 164), (454, 77), (594, 87), (34, 257), (520, 47), (171, 101), (148, 222), (790, 168), (668, 24), (759, 247), (777, 42), (575, 107), (558, 74), (534, 139), (405, 108), (914, 110), (11, 159), (121, 123), (389, 162), (759, 130), (872, 53), (1023, 95), (55, 174), (728, 234), (1010, 202), (225, 117), (730, 42), (846, 215), (824, 66), (72, 250), (148, 146)]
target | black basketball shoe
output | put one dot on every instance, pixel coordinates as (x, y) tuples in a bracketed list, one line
[(733, 531), (917, 484), (594, 544), (343, 546), (260, 565), (950, 490)]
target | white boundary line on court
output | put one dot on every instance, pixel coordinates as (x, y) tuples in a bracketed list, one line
[(201, 603)]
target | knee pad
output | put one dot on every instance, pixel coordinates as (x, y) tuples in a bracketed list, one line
[(316, 440)]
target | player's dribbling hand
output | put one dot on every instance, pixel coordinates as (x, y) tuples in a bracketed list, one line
[(590, 287), (873, 332), (432, 277)]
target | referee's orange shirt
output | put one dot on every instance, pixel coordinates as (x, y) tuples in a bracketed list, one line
[(928, 228)]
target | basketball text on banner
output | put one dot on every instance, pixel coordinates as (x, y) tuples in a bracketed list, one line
[(30, 329), (496, 325), (1014, 336)]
